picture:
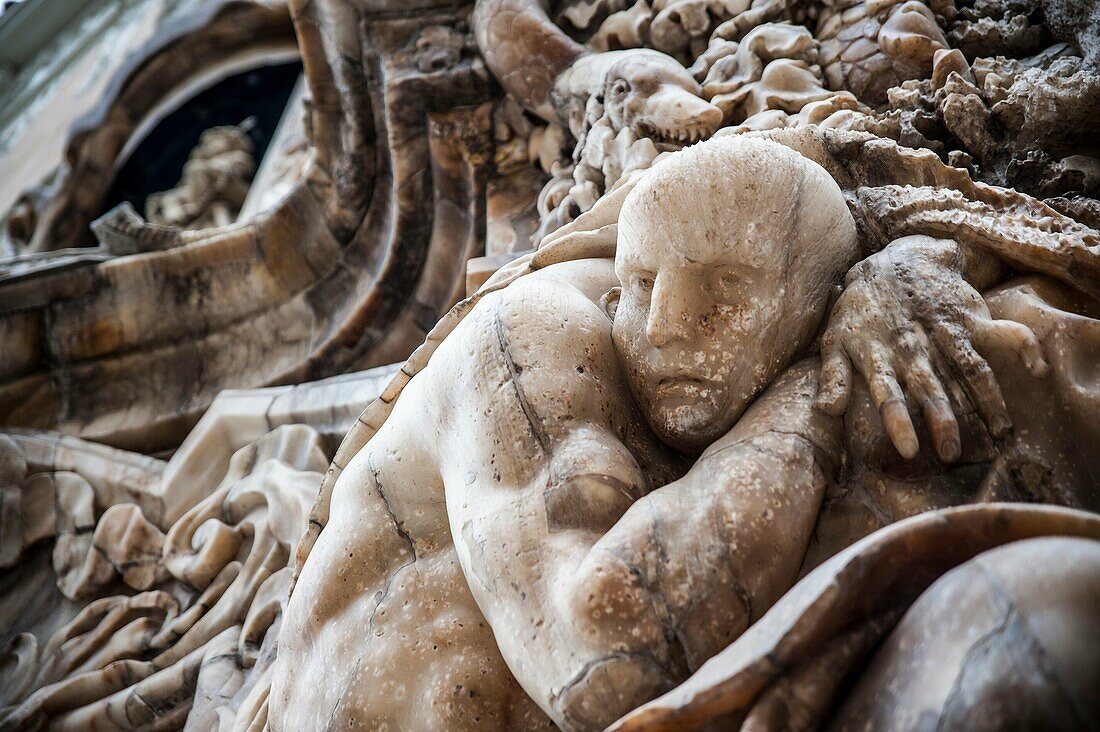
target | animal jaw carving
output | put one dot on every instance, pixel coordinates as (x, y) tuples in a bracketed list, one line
[(642, 90), (407, 527), (645, 91), (882, 67)]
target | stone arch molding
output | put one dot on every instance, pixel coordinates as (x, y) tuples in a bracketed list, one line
[(349, 269), (176, 57)]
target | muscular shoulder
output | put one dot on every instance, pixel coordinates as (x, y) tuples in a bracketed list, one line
[(570, 290), (538, 354), (556, 340), (545, 327)]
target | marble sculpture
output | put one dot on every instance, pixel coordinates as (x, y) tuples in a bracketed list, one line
[(780, 410)]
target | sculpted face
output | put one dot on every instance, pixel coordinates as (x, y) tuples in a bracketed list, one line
[(726, 254), (690, 323)]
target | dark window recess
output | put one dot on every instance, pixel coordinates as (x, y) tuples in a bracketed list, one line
[(157, 162)]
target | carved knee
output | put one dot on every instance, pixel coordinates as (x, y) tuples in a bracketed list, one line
[(1001, 642)]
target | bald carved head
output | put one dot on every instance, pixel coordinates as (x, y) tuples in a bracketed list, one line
[(727, 252)]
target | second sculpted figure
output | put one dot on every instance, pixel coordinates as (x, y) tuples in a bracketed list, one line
[(612, 468)]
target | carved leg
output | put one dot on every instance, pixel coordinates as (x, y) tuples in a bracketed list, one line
[(1009, 640)]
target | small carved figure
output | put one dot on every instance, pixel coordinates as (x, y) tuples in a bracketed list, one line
[(213, 186)]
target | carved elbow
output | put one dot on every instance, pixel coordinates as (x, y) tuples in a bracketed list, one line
[(608, 688), (624, 641)]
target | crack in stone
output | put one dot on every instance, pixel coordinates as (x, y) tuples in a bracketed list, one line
[(343, 694), (404, 535), (389, 510), (1013, 618), (514, 371)]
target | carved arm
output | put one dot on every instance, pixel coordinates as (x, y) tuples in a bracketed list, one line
[(600, 595)]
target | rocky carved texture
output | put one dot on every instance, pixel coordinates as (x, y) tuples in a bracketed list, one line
[(1023, 124), (1019, 113)]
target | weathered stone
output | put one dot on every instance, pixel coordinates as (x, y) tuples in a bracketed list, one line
[(790, 428)]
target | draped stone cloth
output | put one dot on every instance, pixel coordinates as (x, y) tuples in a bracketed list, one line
[(171, 575)]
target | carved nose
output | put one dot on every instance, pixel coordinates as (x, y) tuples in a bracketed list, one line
[(669, 313), (680, 111), (709, 117)]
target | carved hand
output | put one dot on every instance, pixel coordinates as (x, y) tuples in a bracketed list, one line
[(912, 323)]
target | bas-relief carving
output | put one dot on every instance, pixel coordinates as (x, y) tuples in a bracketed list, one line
[(787, 429)]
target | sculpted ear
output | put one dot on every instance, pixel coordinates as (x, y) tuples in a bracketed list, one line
[(610, 301)]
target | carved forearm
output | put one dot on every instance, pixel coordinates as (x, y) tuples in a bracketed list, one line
[(740, 521), (685, 572), (691, 565)]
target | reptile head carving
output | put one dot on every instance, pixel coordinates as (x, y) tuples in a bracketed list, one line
[(555, 77), (653, 95)]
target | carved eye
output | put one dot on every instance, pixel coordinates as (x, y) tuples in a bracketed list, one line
[(642, 285), (726, 286), (619, 88)]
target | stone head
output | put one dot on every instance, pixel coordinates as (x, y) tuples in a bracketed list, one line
[(727, 252), (220, 140)]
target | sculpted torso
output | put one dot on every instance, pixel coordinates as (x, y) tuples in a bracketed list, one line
[(548, 455), (511, 475), (611, 469), (383, 628)]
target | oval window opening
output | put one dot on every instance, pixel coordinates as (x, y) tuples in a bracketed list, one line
[(257, 98)]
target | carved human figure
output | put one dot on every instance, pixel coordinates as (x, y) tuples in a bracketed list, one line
[(213, 185), (610, 470)]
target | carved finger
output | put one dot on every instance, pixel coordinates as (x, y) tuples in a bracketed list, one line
[(836, 378), (1008, 334), (925, 390), (960, 400), (938, 415), (890, 401), (981, 384)]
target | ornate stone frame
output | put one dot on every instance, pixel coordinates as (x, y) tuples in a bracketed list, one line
[(349, 270)]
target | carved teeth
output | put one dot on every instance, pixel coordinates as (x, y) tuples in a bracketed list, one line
[(683, 136)]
